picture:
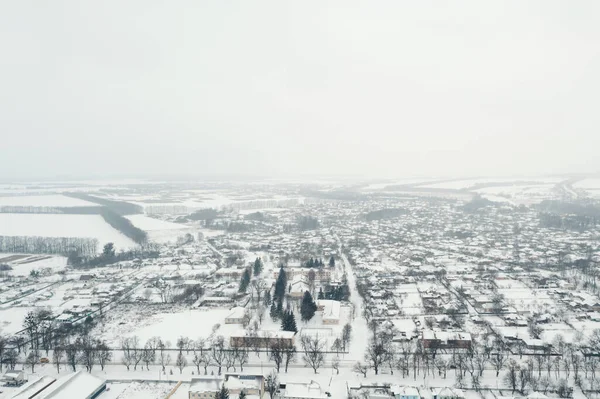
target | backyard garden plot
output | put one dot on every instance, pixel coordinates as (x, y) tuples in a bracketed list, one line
[(42, 264), (528, 300), (11, 319), (61, 225), (167, 322), (551, 330), (408, 299)]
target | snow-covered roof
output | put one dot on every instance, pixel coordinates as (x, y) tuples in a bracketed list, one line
[(78, 385), (236, 313), (331, 309), (311, 390), (206, 384)]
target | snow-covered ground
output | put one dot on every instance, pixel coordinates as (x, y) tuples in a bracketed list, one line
[(24, 266), (159, 230), (519, 194), (61, 225), (591, 186), (467, 183), (51, 200)]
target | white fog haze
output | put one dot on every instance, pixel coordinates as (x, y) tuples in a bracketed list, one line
[(278, 88)]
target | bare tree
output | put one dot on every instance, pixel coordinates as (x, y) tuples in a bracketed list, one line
[(127, 350), (200, 357), (242, 357), (524, 377), (11, 357), (163, 355), (442, 366), (276, 353), (511, 377), (87, 354), (181, 362), (289, 354), (137, 351), (230, 359), (32, 360), (360, 368), (313, 348), (149, 352), (376, 355), (498, 360), (335, 364), (103, 353), (272, 384), (57, 356), (72, 352), (219, 354)]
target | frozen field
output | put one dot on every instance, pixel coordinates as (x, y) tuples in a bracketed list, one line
[(467, 183), (527, 194), (52, 200), (24, 266), (56, 225), (159, 230), (588, 183), (590, 186)]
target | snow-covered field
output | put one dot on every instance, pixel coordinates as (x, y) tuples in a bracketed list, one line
[(467, 183), (24, 266), (382, 186), (590, 186), (588, 183), (519, 194), (159, 230), (51, 200), (60, 225)]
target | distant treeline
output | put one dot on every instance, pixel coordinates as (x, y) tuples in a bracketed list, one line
[(71, 210), (578, 216), (338, 195), (308, 223), (48, 245), (124, 225), (387, 213), (119, 207), (202, 214), (568, 222), (148, 251), (476, 204), (570, 208)]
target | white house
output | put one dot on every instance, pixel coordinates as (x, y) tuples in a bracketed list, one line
[(296, 390), (236, 316), (331, 311)]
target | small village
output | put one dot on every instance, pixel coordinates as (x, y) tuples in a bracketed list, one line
[(411, 298)]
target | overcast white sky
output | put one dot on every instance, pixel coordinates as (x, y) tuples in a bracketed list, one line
[(277, 88)]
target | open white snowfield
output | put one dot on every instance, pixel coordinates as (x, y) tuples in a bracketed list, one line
[(160, 231), (51, 201), (590, 186), (519, 194), (61, 225), (468, 183), (22, 265)]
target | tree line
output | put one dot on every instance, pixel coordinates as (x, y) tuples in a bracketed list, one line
[(124, 225), (118, 207), (48, 245)]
